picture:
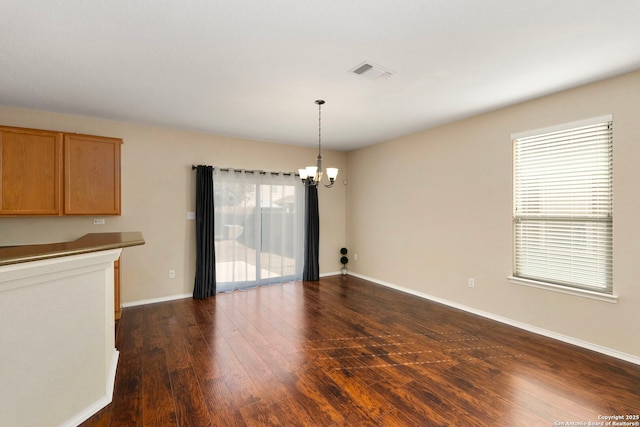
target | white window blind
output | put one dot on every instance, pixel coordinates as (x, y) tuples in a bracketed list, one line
[(563, 205)]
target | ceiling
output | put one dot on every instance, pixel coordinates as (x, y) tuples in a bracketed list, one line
[(253, 68)]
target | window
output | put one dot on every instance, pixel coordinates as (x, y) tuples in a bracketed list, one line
[(563, 205), (259, 222)]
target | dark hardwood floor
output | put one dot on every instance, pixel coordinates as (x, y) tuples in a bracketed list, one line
[(347, 352)]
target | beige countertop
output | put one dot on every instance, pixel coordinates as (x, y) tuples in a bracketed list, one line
[(92, 242)]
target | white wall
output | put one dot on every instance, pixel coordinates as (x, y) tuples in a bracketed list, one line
[(158, 188), (429, 210), (58, 357)]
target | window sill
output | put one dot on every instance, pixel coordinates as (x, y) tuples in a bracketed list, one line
[(564, 289)]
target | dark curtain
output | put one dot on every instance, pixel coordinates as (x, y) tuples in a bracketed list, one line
[(311, 269), (205, 282)]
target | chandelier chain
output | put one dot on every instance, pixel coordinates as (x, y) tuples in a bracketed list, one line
[(319, 128)]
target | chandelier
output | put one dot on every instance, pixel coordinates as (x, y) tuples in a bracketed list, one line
[(312, 175)]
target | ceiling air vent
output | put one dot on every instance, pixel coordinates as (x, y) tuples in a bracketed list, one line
[(363, 68), (372, 71)]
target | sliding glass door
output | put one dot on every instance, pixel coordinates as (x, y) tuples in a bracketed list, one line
[(259, 220)]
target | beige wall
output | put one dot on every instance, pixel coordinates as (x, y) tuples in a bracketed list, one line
[(425, 212), (158, 189), (429, 210)]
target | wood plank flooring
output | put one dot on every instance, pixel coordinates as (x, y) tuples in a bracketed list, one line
[(347, 352)]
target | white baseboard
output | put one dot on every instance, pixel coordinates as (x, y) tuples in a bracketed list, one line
[(103, 401), (182, 296), (111, 380), (331, 273), (570, 340), (156, 300)]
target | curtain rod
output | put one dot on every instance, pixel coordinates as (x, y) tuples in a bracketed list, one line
[(250, 171)]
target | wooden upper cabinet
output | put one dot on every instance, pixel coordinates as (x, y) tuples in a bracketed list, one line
[(91, 175), (54, 173), (31, 168)]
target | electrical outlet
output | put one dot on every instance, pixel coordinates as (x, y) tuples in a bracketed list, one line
[(355, 257), (472, 282), (191, 215), (172, 274), (98, 221)]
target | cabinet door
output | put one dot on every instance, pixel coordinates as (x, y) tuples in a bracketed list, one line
[(31, 163), (91, 175)]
